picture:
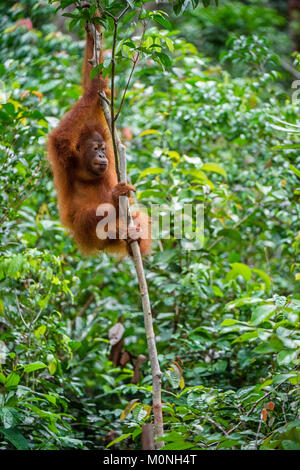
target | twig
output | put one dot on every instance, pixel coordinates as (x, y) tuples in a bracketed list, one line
[(255, 403), (215, 423), (257, 433), (289, 68), (156, 373), (269, 267), (155, 368), (134, 62), (19, 310)]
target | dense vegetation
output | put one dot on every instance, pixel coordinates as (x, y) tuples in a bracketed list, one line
[(228, 312)]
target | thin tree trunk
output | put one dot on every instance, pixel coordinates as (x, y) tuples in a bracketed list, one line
[(120, 151)]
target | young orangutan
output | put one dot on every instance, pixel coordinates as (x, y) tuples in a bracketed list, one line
[(82, 160)]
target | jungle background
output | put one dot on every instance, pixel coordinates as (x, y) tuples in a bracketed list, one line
[(211, 117)]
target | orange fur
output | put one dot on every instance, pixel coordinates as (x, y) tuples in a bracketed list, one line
[(80, 195)]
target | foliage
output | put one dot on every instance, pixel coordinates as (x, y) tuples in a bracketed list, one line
[(226, 315), (210, 28)]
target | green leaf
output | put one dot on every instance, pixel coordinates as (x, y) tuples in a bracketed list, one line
[(286, 357), (295, 170), (9, 108), (290, 445), (239, 269), (15, 438), (217, 291), (286, 146), (51, 399), (178, 445), (12, 380), (245, 337), (232, 233), (229, 322), (151, 171), (14, 266), (262, 313), (227, 443), (243, 301), (52, 364), (40, 331), (162, 21), (119, 439), (139, 412), (34, 366), (149, 132), (267, 280), (129, 17), (173, 378), (164, 58), (215, 168), (272, 346), (169, 44), (7, 417), (73, 23)]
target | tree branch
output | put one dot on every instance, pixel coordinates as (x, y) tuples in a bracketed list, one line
[(120, 150)]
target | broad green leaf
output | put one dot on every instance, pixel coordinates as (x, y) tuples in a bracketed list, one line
[(295, 170), (52, 365), (151, 171), (239, 269), (7, 417), (290, 445), (14, 266), (229, 322), (228, 443), (15, 438), (40, 331), (215, 168), (51, 399), (178, 445), (129, 17), (262, 313), (243, 301), (169, 44), (173, 377), (162, 21), (12, 380), (245, 337), (217, 291), (174, 155), (164, 58), (271, 346), (119, 439), (286, 146), (140, 412), (199, 175), (267, 280), (286, 357), (34, 366)]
